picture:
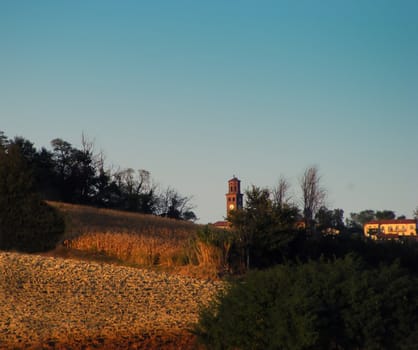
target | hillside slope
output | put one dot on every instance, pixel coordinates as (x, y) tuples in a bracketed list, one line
[(137, 240), (82, 219), (56, 303)]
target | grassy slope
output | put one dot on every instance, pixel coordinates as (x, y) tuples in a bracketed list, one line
[(82, 220), (135, 239)]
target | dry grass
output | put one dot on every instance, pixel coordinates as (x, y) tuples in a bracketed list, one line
[(139, 240), (136, 249), (81, 220)]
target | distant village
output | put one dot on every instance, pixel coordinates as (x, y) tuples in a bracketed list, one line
[(394, 229)]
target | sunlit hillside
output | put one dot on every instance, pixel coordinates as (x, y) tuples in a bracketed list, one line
[(134, 239), (90, 301), (55, 303), (83, 220)]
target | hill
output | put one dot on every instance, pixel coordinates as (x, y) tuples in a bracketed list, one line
[(116, 280), (55, 303), (83, 219), (134, 239)]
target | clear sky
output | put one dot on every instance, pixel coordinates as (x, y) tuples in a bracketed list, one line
[(197, 91)]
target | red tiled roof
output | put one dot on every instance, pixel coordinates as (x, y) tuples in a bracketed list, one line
[(221, 224), (393, 222)]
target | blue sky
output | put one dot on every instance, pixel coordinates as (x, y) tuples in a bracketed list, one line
[(197, 91)]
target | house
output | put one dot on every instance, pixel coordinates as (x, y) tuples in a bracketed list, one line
[(391, 229), (222, 224)]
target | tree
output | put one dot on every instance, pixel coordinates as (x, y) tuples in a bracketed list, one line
[(26, 222), (416, 213), (44, 175), (136, 191), (75, 171), (280, 192), (85, 172), (3, 140), (357, 220), (79, 176), (329, 219), (105, 190), (264, 230), (62, 156), (313, 195), (335, 304), (385, 215), (26, 147), (253, 221), (173, 205)]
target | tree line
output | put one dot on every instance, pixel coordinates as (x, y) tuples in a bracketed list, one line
[(80, 176), (27, 222), (273, 226), (325, 304), (310, 279)]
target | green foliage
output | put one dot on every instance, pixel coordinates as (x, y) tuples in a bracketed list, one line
[(385, 215), (215, 236), (26, 223), (357, 220), (79, 176), (338, 304), (330, 219), (3, 140), (263, 229)]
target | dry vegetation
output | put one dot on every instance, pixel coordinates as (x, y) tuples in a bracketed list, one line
[(137, 240), (91, 301)]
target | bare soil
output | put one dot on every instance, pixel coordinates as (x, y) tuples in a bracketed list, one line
[(54, 303)]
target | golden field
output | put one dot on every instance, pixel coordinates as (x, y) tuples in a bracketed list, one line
[(137, 240), (115, 281)]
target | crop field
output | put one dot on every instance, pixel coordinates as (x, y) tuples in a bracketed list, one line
[(116, 280), (137, 240), (55, 303)]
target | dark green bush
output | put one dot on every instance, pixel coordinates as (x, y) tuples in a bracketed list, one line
[(337, 304), (26, 222)]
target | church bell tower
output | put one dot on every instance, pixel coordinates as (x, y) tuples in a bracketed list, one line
[(234, 195)]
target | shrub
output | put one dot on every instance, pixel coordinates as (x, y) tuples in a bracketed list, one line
[(26, 222), (213, 247), (317, 305)]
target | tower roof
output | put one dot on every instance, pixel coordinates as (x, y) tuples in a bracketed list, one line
[(234, 178)]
